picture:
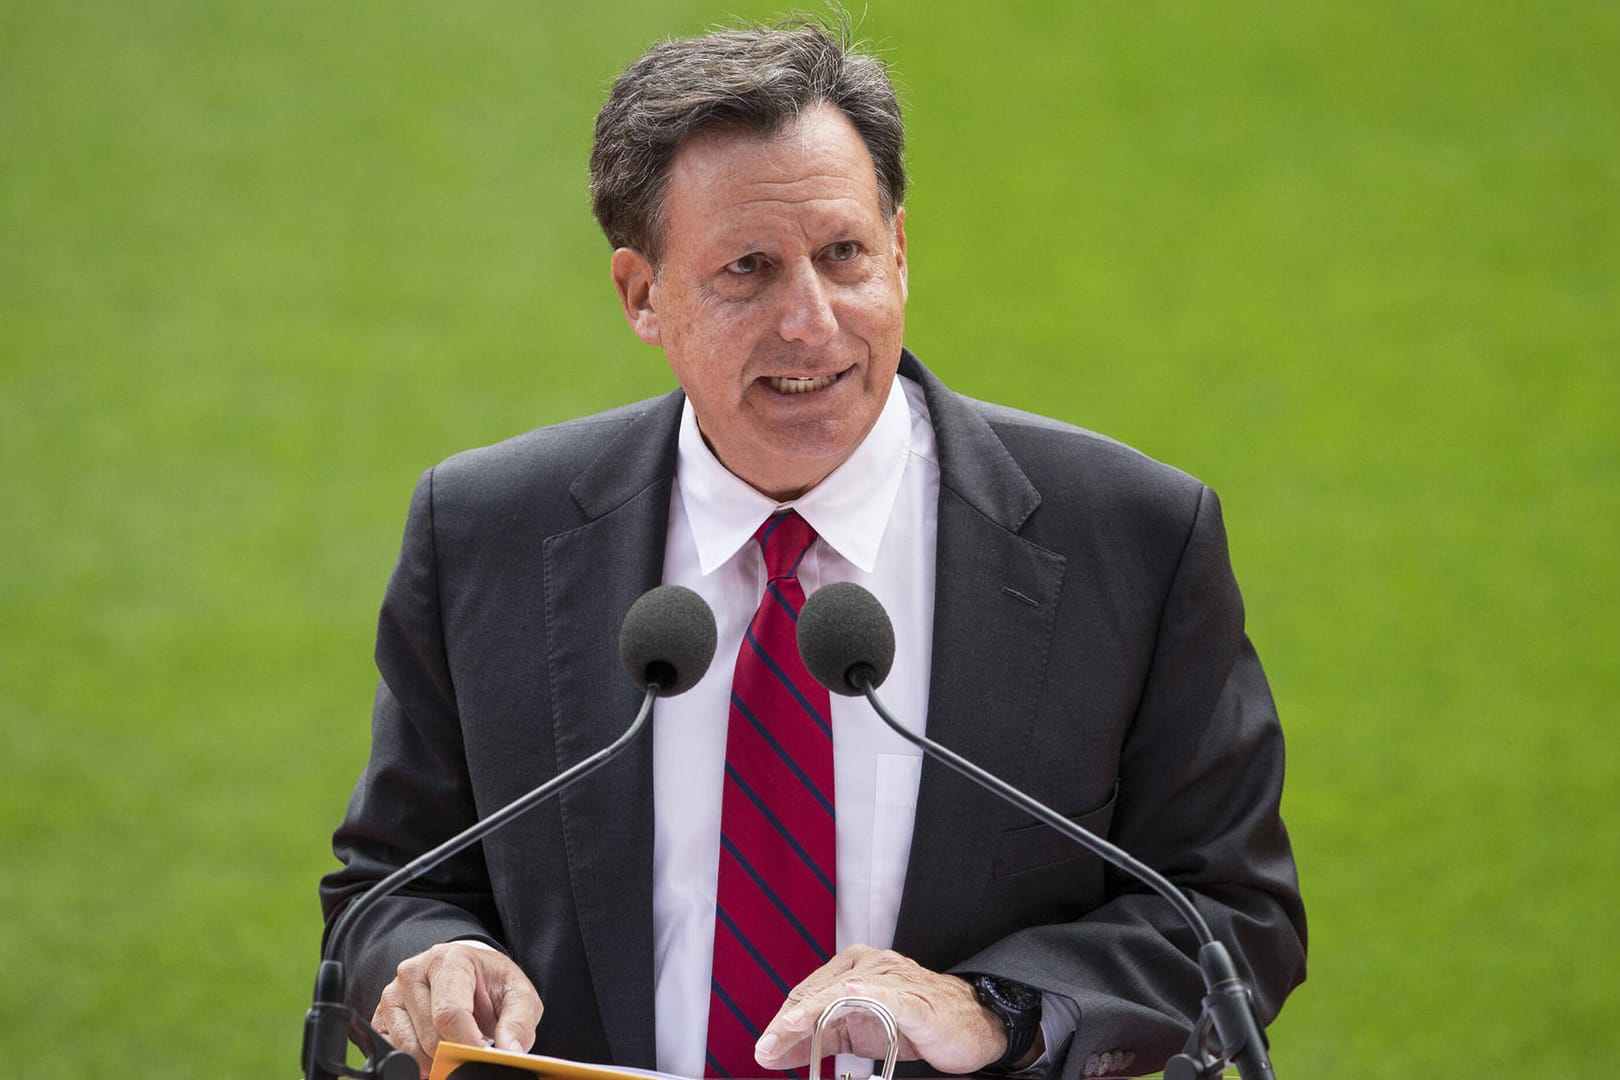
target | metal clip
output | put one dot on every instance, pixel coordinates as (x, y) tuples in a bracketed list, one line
[(869, 1005)]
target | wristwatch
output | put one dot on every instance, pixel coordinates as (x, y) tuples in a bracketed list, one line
[(1019, 1008)]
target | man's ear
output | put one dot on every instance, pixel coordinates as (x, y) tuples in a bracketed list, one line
[(900, 248), (633, 277)]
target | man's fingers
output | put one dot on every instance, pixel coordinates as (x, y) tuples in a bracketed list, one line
[(393, 1022), (864, 1034), (458, 993), (828, 976), (437, 992), (454, 991), (938, 1017), (852, 1031), (785, 1043), (517, 1009)]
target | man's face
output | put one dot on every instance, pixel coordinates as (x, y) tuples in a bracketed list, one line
[(780, 297)]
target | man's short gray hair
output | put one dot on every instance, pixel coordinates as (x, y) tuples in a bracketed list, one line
[(758, 79)]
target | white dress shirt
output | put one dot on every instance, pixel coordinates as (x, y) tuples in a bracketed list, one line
[(876, 517)]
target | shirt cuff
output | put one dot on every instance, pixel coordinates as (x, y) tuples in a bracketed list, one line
[(1060, 1018)]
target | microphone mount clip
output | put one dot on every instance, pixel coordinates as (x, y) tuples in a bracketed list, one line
[(330, 1025), (1228, 1016)]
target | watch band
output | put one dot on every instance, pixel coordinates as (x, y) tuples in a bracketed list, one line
[(1019, 1009)]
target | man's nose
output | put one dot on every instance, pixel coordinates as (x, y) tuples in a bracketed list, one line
[(807, 314)]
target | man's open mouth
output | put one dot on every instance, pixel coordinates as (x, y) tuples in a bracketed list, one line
[(801, 385)]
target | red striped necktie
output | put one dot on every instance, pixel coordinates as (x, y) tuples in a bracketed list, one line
[(775, 912)]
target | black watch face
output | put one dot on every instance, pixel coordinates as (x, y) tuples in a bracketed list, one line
[(1013, 996)]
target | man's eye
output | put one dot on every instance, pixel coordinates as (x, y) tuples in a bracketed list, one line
[(845, 250), (748, 264)]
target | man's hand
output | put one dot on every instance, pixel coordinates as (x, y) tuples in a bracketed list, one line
[(459, 992), (939, 1017)]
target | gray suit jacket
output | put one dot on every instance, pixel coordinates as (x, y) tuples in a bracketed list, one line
[(1088, 647)]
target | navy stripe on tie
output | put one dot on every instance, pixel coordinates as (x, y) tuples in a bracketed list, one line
[(793, 573), (775, 823), (725, 998), (793, 920), (743, 940), (736, 1011), (775, 591), (770, 527), (782, 677), (787, 758)]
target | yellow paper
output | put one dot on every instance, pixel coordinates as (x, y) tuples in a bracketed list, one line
[(452, 1055)]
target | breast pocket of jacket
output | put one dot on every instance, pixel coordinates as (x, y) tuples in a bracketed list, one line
[(1037, 847)]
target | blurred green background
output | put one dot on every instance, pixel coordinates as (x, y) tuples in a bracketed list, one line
[(1356, 264)]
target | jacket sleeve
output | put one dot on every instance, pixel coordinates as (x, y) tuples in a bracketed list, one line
[(1199, 789), (414, 792)]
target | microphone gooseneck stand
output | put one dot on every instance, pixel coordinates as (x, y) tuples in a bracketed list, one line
[(847, 642), (330, 1023), (1228, 1006), (666, 643)]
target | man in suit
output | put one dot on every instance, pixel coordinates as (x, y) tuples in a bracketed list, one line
[(1065, 609)]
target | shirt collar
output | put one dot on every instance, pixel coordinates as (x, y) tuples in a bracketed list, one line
[(850, 509)]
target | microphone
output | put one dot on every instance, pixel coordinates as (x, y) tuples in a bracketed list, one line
[(847, 644), (667, 638), (666, 642)]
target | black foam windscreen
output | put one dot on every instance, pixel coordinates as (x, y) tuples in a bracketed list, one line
[(667, 638), (846, 639)]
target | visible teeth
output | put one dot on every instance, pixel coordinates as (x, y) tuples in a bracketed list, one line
[(802, 386)]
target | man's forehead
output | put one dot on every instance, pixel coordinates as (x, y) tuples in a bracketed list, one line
[(819, 132), (817, 163), (742, 192)]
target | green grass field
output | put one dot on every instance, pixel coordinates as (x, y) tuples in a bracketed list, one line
[(1355, 264)]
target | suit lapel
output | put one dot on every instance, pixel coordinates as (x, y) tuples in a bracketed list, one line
[(592, 575), (995, 606)]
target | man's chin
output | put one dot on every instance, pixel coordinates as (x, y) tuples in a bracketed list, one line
[(784, 474)]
